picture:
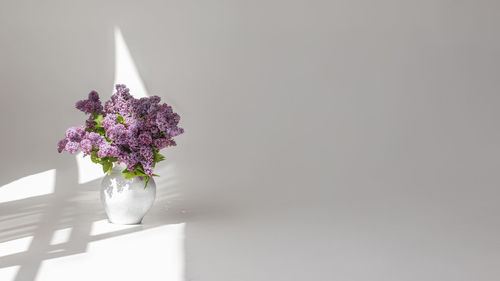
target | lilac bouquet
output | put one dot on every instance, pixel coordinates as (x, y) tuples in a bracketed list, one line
[(126, 130)]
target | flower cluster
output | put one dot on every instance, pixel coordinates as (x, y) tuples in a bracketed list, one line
[(126, 130)]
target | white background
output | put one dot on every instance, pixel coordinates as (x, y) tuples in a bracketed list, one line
[(325, 140)]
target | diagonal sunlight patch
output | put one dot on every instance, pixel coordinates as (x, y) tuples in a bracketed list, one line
[(9, 273), (154, 254), (125, 73), (61, 236), (104, 227), (87, 170), (15, 246), (30, 186), (125, 69)]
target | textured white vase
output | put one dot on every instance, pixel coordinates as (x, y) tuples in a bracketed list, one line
[(126, 201)]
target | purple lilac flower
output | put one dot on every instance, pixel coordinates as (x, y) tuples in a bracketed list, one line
[(86, 146), (95, 138), (72, 147), (90, 105), (89, 123), (145, 138), (148, 167), (131, 159), (113, 151), (61, 145), (173, 132), (133, 144), (116, 132), (75, 134), (163, 142), (120, 101), (104, 149), (133, 128), (107, 150), (154, 131), (146, 153)]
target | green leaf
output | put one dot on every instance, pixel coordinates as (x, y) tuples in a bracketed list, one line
[(120, 119), (158, 157), (98, 120), (95, 158), (147, 180), (110, 159), (138, 167), (129, 175), (140, 173), (107, 166), (100, 131), (98, 127)]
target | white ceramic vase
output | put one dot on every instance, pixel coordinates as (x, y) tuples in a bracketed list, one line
[(126, 201)]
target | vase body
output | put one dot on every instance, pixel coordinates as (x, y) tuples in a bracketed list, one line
[(126, 201)]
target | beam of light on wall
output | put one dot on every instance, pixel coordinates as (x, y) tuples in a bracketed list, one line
[(125, 69), (30, 186), (125, 73), (87, 170)]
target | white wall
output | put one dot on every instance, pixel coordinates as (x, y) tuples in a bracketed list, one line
[(325, 140)]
